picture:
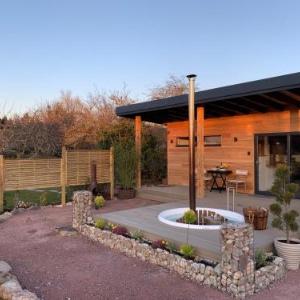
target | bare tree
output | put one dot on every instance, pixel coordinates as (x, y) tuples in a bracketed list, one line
[(26, 136), (173, 86)]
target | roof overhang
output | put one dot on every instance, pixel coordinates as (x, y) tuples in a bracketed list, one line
[(271, 94)]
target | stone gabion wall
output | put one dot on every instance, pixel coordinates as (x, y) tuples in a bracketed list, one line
[(237, 263), (187, 268), (235, 274), (269, 274), (82, 201)]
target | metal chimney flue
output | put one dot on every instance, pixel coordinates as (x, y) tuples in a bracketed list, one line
[(192, 175)]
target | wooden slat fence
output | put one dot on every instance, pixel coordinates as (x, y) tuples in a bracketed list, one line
[(73, 168)]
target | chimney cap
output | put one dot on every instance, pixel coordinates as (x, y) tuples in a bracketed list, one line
[(191, 76)]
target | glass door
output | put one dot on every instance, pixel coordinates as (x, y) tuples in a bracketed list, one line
[(271, 150), (295, 158)]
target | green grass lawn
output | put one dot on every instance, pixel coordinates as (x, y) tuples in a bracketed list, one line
[(40, 197)]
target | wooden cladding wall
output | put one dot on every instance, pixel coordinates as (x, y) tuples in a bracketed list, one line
[(237, 147), (73, 168)]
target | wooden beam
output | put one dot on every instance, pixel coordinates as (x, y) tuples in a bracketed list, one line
[(222, 108), (259, 105), (250, 109), (138, 149), (291, 95), (200, 153)]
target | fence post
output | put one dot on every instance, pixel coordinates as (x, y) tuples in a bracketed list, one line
[(1, 183), (63, 171), (112, 170)]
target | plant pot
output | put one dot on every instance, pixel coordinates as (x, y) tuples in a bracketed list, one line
[(289, 252), (126, 193)]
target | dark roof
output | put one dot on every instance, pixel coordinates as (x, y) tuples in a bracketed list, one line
[(270, 94)]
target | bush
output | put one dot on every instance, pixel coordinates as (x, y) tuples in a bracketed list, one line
[(187, 251), (125, 164), (99, 201), (101, 223), (138, 235), (120, 230), (159, 244), (171, 247), (189, 217), (43, 199), (261, 259)]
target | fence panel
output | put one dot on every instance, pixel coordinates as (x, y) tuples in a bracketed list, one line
[(79, 166), (73, 168), (31, 173)]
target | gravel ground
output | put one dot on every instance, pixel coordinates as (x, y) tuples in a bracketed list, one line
[(56, 267)]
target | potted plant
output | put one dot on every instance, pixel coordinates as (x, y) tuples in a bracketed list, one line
[(125, 169), (285, 218)]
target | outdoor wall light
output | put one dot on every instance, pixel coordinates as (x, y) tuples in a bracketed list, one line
[(235, 139)]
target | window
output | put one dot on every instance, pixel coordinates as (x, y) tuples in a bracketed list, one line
[(209, 141), (212, 140), (183, 141)]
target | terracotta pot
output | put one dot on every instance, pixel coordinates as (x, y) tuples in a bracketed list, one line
[(289, 252), (126, 194)]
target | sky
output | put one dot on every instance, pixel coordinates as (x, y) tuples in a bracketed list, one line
[(88, 45)]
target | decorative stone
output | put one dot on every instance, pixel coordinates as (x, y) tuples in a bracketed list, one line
[(5, 268)]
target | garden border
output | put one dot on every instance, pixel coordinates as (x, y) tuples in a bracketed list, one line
[(234, 275)]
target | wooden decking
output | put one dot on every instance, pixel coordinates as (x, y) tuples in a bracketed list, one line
[(206, 241)]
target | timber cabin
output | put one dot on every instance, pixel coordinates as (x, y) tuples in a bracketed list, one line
[(252, 126)]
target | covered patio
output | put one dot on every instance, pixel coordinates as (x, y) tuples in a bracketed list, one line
[(254, 125)]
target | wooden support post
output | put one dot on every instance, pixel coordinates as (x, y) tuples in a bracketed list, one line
[(138, 149), (112, 174), (63, 173), (1, 183), (200, 153)]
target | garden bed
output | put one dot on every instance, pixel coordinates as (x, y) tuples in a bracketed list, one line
[(200, 271)]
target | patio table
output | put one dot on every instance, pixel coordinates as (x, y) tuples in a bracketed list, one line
[(218, 173)]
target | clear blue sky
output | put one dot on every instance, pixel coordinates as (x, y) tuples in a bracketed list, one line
[(48, 46)]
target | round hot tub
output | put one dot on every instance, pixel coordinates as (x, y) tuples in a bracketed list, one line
[(171, 217)]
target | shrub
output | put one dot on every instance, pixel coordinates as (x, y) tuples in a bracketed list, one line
[(111, 226), (159, 244), (285, 218), (101, 223), (138, 235), (261, 258), (43, 199), (171, 247), (187, 251), (125, 164), (99, 201), (189, 217), (120, 230)]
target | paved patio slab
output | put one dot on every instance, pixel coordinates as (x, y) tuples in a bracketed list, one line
[(206, 241)]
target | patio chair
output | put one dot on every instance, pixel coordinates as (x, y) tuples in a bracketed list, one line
[(207, 180), (239, 179)]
